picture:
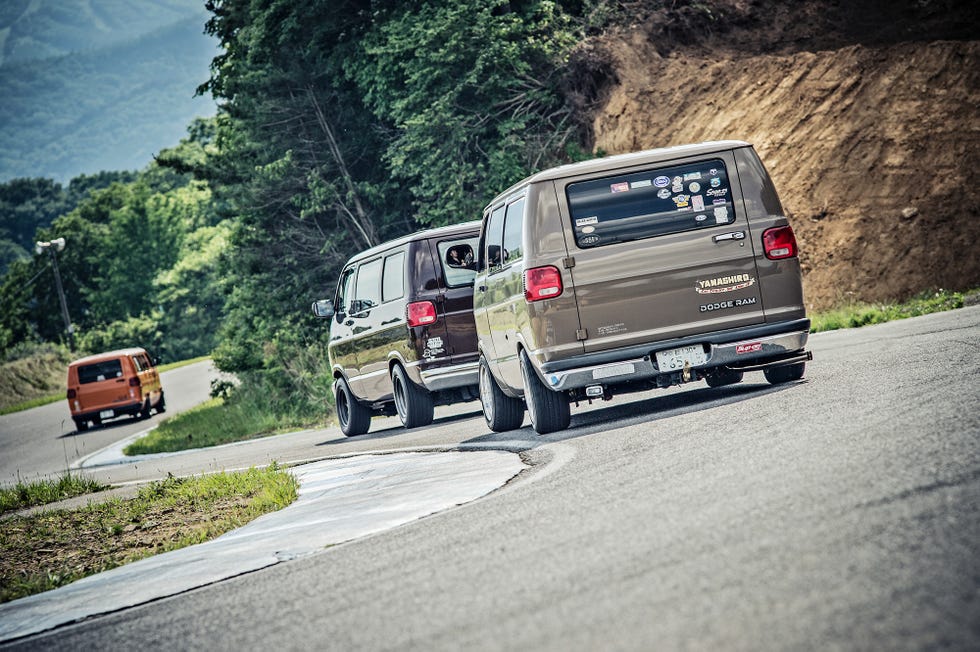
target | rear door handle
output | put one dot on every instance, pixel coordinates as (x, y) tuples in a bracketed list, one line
[(734, 235)]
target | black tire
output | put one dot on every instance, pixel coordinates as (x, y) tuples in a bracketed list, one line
[(354, 418), (81, 425), (721, 377), (501, 412), (414, 403), (777, 375), (162, 405), (549, 410)]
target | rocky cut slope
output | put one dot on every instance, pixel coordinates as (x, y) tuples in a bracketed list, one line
[(865, 113)]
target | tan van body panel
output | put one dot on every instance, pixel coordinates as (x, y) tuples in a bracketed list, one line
[(656, 251), (113, 384)]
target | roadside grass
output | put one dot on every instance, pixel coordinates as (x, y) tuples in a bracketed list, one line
[(864, 314), (60, 396), (43, 492), (212, 423), (48, 549)]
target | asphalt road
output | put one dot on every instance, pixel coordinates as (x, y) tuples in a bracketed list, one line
[(42, 442), (840, 512)]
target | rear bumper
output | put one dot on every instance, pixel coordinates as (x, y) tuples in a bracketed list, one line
[(117, 411), (747, 349)]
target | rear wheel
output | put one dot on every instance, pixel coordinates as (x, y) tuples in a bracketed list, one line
[(790, 372), (144, 412), (501, 411), (81, 425), (549, 410), (414, 404), (354, 418), (720, 377), (162, 405)]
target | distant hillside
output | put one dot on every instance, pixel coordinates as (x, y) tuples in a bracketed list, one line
[(31, 30), (111, 108)]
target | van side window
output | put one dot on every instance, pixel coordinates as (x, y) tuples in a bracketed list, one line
[(393, 278), (138, 363), (344, 288), (495, 232), (462, 271), (513, 228), (651, 203), (367, 288)]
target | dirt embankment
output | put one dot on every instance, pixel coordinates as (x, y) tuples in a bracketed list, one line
[(873, 145)]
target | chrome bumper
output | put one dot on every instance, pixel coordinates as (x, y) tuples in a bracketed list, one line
[(748, 355), (459, 375)]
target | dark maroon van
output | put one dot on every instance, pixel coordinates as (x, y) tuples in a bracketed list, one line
[(402, 334)]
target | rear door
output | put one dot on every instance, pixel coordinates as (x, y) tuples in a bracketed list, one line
[(102, 384), (456, 307), (660, 252)]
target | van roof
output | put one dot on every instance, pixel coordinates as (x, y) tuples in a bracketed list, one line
[(452, 229), (108, 355), (649, 156)]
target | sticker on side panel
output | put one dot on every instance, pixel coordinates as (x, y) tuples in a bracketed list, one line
[(697, 201), (588, 240), (661, 182), (721, 214), (715, 182), (682, 201), (722, 284), (585, 221), (664, 193), (643, 183), (622, 186), (694, 186), (588, 229)]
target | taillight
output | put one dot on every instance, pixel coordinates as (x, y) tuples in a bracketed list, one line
[(72, 393), (542, 283), (779, 242), (421, 313), (134, 381)]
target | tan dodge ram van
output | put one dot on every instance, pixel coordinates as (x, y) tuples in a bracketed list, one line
[(650, 269)]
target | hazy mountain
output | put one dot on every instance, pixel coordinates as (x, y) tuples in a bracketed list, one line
[(124, 90)]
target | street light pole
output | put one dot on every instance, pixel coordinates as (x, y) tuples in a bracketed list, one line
[(54, 246)]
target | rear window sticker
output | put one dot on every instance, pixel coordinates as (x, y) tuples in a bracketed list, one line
[(588, 229), (664, 193), (713, 171), (700, 218), (585, 221), (717, 193), (715, 182), (620, 187), (721, 214), (694, 186), (720, 202), (697, 201), (643, 183), (589, 240), (690, 176), (661, 182), (682, 200)]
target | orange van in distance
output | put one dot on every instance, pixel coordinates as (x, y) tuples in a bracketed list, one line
[(113, 384)]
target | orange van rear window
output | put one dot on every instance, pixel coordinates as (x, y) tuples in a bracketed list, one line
[(93, 373)]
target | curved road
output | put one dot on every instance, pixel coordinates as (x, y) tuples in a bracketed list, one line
[(42, 442), (841, 512)]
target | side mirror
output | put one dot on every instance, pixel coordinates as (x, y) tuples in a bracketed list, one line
[(323, 308), (460, 256)]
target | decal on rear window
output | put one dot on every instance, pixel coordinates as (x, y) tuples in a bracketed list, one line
[(631, 206)]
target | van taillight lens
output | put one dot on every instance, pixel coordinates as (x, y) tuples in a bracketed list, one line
[(72, 393), (542, 283), (779, 243), (134, 382), (421, 313)]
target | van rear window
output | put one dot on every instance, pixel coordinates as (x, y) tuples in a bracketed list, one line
[(650, 203), (93, 373)]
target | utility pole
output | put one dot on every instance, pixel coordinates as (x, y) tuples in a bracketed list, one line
[(53, 247)]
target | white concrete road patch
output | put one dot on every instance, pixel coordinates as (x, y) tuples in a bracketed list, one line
[(339, 500)]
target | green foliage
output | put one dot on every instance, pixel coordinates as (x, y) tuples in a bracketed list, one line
[(43, 492), (864, 314)]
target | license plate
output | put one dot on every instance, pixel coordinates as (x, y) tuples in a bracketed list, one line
[(675, 359), (106, 414)]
